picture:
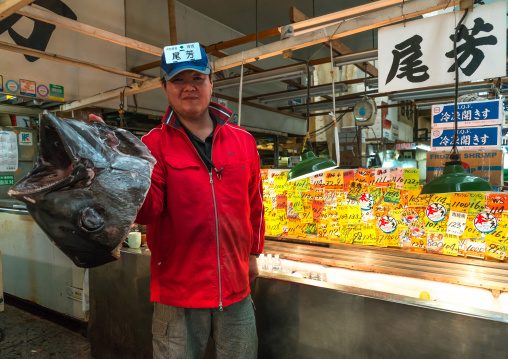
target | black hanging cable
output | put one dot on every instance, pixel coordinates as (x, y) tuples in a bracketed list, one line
[(455, 154)]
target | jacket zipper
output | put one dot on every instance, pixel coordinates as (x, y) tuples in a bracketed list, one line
[(215, 208)]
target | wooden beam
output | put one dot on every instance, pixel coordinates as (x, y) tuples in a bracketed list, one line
[(69, 24), (380, 18), (338, 46), (112, 95), (66, 60), (257, 105), (9, 7), (242, 40), (377, 19), (172, 22), (324, 20)]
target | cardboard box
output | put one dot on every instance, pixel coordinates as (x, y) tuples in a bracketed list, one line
[(483, 163)]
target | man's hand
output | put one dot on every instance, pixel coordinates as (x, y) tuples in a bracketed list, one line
[(253, 268), (95, 118)]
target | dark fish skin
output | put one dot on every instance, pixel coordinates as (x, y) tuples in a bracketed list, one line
[(86, 188)]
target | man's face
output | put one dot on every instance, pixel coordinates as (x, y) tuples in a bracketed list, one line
[(189, 93)]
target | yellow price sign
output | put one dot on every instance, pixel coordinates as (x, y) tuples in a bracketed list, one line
[(444, 199), (411, 178), (333, 230), (476, 203), (451, 245), (292, 228), (302, 185), (415, 199), (495, 250), (356, 233), (279, 184), (392, 196), (282, 216), (432, 227), (276, 227), (297, 205), (354, 214), (460, 202), (333, 180), (369, 235)]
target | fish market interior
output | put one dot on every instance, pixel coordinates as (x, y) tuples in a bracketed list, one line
[(382, 139)]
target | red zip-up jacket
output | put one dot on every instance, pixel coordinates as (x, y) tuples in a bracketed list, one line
[(201, 225)]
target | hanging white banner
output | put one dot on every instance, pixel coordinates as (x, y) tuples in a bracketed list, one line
[(419, 53)]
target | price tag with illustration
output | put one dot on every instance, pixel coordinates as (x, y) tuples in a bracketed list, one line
[(476, 203), (302, 185), (411, 178), (346, 236), (456, 223), (451, 245), (355, 190), (460, 202)]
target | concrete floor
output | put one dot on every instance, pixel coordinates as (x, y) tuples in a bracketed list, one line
[(29, 335)]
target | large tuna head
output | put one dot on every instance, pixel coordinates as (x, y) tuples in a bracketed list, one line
[(86, 188)]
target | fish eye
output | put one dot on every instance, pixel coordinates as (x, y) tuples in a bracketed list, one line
[(91, 219)]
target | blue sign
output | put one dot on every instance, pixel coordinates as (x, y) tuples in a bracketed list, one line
[(471, 138), (1, 83), (476, 113)]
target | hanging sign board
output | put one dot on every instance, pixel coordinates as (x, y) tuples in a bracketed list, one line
[(470, 138), (476, 113), (483, 163), (419, 53)]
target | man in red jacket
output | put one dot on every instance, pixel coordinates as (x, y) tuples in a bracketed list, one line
[(204, 217)]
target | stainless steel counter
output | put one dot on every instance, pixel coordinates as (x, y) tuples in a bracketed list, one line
[(300, 318)]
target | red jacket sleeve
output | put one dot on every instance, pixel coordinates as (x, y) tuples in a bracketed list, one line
[(154, 202), (257, 212)]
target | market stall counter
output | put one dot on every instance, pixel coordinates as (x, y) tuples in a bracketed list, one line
[(298, 317)]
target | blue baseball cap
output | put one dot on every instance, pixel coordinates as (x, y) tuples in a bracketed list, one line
[(168, 71)]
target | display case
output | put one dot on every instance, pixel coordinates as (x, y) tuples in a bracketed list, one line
[(352, 308)]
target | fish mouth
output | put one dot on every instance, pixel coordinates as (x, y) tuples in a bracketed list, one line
[(57, 165)]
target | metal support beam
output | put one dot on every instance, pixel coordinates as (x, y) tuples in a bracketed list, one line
[(69, 24), (19, 110), (9, 7), (67, 60)]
